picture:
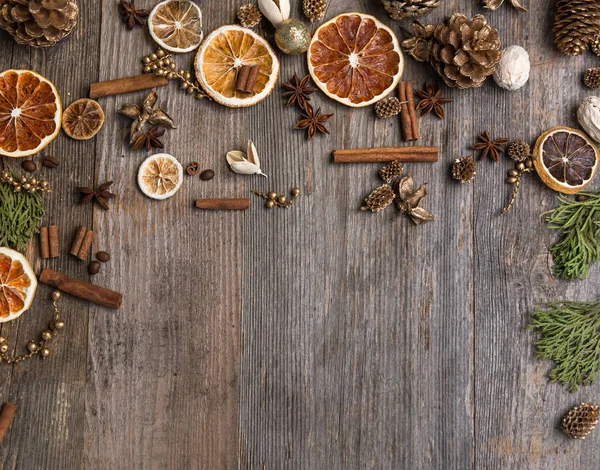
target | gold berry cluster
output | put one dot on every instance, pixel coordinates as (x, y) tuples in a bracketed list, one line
[(25, 183), (279, 200)]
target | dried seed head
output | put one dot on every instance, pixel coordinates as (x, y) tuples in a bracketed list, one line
[(581, 420), (591, 77), (519, 151), (379, 199), (391, 171), (463, 169)]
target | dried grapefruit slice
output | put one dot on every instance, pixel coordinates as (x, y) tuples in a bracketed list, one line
[(83, 119), (160, 176), (355, 59), (176, 25), (221, 56), (30, 113), (17, 284), (566, 159)]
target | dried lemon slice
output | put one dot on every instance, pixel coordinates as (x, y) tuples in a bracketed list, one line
[(82, 119), (17, 284), (30, 113), (355, 59), (176, 25), (160, 176), (221, 56)]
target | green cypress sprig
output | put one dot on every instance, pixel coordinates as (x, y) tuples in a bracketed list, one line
[(579, 226), (20, 215), (569, 336)]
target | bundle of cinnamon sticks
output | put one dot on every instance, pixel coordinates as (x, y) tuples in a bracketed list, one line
[(408, 113)]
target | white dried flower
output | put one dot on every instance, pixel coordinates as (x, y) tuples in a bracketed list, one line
[(512, 72), (276, 11), (245, 163), (588, 115)]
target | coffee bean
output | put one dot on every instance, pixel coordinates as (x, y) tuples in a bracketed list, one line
[(94, 267), (29, 166), (50, 162), (207, 175), (103, 256)]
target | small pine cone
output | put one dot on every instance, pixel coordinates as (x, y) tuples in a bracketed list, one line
[(249, 15), (391, 171), (387, 107), (581, 420), (519, 151), (314, 10), (463, 169), (591, 77), (379, 199)]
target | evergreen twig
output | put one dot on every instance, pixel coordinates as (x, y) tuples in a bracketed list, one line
[(570, 336), (579, 226), (20, 215)]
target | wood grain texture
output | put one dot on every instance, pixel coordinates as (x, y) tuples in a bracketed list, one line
[(317, 337)]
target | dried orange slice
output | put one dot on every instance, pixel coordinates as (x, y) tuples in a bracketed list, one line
[(30, 113), (160, 176), (566, 159), (82, 119), (221, 56), (176, 25), (17, 284), (355, 59)]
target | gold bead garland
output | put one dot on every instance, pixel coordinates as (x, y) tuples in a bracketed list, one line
[(274, 199), (25, 183), (40, 347)]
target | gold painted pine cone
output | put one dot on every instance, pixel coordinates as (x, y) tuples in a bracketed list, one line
[(38, 23), (581, 420), (463, 169), (577, 26), (387, 107), (463, 51), (314, 10), (249, 15), (400, 9), (391, 171), (591, 77), (379, 199)]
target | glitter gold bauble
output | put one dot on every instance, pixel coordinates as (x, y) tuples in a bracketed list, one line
[(292, 37)]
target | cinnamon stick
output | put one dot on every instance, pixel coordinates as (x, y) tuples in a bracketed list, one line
[(86, 245), (249, 88), (6, 416), (386, 154), (44, 243), (240, 204), (53, 240), (242, 78), (83, 290), (412, 112), (126, 85), (407, 132), (79, 236)]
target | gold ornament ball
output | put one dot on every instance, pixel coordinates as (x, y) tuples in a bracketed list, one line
[(59, 325), (45, 352), (32, 346), (46, 335), (281, 199), (292, 37), (272, 195), (56, 295), (4, 348), (296, 192), (270, 204)]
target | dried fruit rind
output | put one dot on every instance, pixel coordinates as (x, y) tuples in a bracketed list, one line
[(176, 25), (82, 119), (355, 59), (566, 159), (160, 176), (17, 284), (30, 113), (222, 54)]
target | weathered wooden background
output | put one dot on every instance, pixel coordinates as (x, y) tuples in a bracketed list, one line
[(320, 337)]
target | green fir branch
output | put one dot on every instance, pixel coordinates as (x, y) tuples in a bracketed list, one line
[(20, 215), (569, 336), (579, 226)]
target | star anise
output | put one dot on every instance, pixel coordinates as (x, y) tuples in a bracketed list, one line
[(147, 114), (298, 91), (150, 139), (431, 100), (100, 195), (313, 121), (490, 147), (130, 15)]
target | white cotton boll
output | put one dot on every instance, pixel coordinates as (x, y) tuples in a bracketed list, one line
[(275, 12), (588, 115), (513, 70)]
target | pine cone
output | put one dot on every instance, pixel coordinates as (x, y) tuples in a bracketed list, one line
[(576, 26), (388, 107), (379, 199), (519, 151), (463, 169), (400, 9), (464, 52), (391, 171), (591, 77), (249, 15), (314, 10), (38, 23), (581, 420)]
